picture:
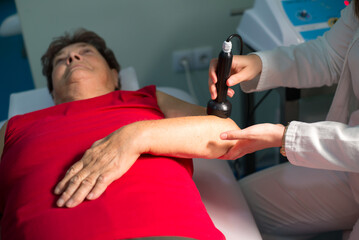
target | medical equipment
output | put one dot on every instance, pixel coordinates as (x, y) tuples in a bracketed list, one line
[(221, 107), (214, 179), (272, 23)]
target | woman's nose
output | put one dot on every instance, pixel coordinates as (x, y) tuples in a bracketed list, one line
[(73, 57)]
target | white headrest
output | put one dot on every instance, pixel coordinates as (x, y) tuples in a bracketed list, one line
[(32, 100)]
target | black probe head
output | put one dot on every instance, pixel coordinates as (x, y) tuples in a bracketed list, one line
[(219, 109)]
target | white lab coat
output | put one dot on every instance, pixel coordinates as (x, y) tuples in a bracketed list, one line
[(333, 58), (313, 200)]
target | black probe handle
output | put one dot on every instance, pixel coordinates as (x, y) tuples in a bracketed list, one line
[(221, 107), (223, 72)]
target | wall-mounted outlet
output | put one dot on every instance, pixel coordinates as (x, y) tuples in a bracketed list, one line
[(197, 59), (179, 56), (202, 57)]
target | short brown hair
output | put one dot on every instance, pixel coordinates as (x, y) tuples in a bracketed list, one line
[(80, 35)]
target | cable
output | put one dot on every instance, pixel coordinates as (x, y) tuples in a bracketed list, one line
[(187, 70), (250, 113), (240, 38), (246, 167)]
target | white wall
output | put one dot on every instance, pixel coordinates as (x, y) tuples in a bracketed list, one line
[(142, 33)]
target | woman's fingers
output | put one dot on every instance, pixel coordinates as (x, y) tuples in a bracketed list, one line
[(85, 174), (72, 185), (74, 169), (90, 188), (76, 193), (102, 183)]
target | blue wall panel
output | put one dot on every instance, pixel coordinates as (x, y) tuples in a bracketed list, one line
[(15, 75)]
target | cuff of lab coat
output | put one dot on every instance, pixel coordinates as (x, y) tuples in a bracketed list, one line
[(257, 83)]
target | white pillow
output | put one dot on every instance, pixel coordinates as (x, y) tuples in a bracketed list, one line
[(129, 79)]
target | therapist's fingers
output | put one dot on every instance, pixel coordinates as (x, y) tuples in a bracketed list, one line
[(212, 80), (230, 92), (233, 135), (253, 138), (244, 68), (212, 70), (237, 151), (245, 144), (212, 89), (244, 75)]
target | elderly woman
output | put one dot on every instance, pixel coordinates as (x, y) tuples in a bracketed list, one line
[(123, 155)]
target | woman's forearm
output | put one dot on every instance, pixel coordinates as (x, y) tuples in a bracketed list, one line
[(111, 157), (197, 136), (2, 138)]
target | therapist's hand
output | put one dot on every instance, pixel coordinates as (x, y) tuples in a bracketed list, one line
[(107, 160), (253, 138), (244, 68)]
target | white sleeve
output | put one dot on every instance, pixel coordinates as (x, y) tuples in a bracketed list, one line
[(311, 64), (323, 145)]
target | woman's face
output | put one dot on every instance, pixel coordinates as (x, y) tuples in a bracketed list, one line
[(81, 72)]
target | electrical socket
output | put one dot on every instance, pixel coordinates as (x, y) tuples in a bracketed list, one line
[(198, 58), (202, 57), (179, 56)]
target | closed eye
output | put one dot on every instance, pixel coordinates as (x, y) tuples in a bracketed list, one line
[(58, 60), (86, 50)]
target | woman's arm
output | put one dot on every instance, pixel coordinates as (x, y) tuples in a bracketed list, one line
[(174, 107), (2, 138), (109, 158), (2, 143), (187, 137)]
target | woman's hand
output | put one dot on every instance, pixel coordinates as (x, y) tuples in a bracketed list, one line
[(253, 138), (107, 160), (244, 68)]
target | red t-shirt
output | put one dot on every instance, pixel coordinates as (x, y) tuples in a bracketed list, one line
[(156, 197)]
